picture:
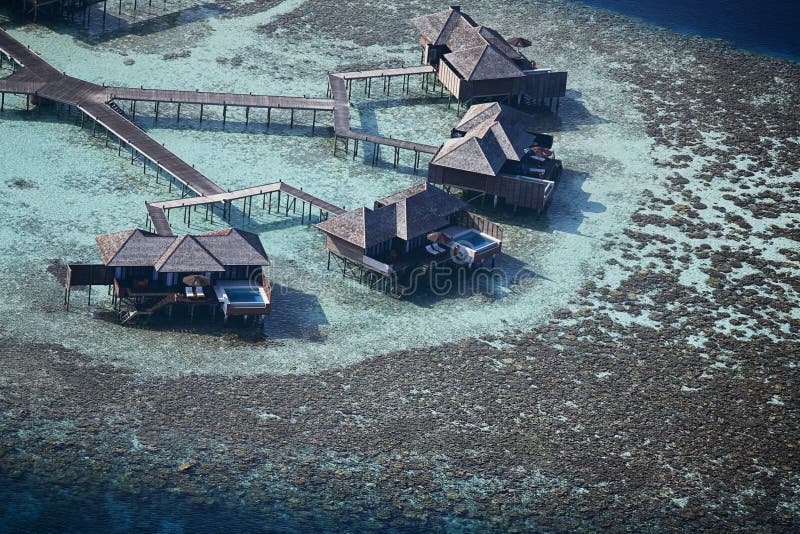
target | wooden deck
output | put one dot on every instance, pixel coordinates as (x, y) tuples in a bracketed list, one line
[(219, 99), (341, 119), (159, 220), (385, 73), (158, 212)]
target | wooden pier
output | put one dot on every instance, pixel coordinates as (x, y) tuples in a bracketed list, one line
[(37, 79), (286, 200), (339, 87)]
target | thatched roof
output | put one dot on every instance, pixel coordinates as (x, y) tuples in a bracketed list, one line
[(362, 227), (210, 252), (234, 247), (475, 52), (483, 63), (186, 254), (437, 27), (494, 111), (130, 248), (494, 136), (406, 214)]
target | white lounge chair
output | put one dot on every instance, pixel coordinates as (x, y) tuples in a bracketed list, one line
[(199, 292), (189, 292), (431, 250), (438, 248)]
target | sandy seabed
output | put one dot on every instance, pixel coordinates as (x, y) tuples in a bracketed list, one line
[(657, 390)]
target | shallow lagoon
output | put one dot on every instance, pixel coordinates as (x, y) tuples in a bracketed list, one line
[(536, 434), (80, 188)]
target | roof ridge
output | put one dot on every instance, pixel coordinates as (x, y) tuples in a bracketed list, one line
[(169, 252), (213, 257), (123, 244)]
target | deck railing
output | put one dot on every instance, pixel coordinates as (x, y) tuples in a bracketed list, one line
[(482, 224)]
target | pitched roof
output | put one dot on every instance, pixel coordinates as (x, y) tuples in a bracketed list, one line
[(423, 210), (436, 27), (492, 135), (471, 154), (130, 248), (479, 113), (186, 254), (203, 252), (476, 52), (234, 247), (363, 227), (406, 214), (483, 63)]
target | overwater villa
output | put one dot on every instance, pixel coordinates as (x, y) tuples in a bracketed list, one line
[(406, 234), (491, 152), (475, 62), (149, 272)]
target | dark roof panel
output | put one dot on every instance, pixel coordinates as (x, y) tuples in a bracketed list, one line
[(406, 214), (186, 253)]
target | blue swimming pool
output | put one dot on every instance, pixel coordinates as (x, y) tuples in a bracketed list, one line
[(244, 295), (474, 240)]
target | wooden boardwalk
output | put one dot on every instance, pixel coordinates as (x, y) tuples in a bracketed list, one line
[(385, 73), (158, 212), (158, 219), (37, 79), (247, 192), (341, 116), (219, 99)]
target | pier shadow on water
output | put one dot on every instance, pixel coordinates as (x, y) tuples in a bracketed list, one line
[(299, 315), (565, 213), (91, 27), (572, 114)]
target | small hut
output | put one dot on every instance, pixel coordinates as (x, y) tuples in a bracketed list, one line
[(408, 231), (150, 272), (492, 152), (474, 61)]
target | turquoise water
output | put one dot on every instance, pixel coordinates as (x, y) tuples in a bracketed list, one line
[(318, 318), (158, 429)]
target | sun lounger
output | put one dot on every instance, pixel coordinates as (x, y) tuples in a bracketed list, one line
[(431, 250), (199, 292), (438, 248), (189, 292)]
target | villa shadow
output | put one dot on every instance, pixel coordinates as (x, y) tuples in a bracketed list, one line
[(450, 284), (296, 315), (565, 212), (572, 114)]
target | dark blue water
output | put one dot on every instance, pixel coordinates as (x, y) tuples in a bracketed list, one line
[(770, 27)]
